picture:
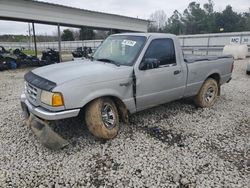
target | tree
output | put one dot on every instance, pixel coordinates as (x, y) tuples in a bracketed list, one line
[(229, 20), (76, 34), (87, 34), (174, 24), (209, 7), (198, 19), (210, 16), (67, 35), (246, 16), (158, 21), (194, 19), (99, 34)]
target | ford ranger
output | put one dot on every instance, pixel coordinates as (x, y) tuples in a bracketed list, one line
[(128, 73)]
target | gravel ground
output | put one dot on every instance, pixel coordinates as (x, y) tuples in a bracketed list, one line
[(173, 145)]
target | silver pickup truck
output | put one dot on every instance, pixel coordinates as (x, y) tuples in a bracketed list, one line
[(128, 73)]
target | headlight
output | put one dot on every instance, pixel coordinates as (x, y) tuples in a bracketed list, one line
[(52, 99)]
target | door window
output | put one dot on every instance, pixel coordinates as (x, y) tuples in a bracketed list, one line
[(163, 50)]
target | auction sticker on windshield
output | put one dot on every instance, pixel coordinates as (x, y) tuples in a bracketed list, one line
[(129, 42)]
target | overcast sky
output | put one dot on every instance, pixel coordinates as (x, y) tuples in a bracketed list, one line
[(132, 8)]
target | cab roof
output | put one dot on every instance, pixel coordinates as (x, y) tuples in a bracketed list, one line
[(160, 35)]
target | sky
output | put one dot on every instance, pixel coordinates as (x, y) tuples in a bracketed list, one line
[(133, 8)]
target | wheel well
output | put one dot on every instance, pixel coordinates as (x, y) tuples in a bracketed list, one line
[(216, 77), (121, 107)]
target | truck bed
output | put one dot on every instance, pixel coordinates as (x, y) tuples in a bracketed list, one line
[(201, 67), (195, 58)]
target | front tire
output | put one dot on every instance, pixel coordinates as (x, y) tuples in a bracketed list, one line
[(207, 94), (102, 118)]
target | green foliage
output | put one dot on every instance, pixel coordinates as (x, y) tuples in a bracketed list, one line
[(25, 38), (194, 19), (229, 20), (174, 24), (31, 52), (247, 20), (197, 19), (87, 34), (67, 35)]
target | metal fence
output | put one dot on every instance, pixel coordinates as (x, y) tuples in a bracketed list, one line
[(212, 44), (65, 45), (202, 44)]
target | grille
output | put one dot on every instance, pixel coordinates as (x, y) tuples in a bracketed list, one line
[(31, 92)]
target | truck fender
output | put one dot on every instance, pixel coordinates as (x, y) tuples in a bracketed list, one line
[(123, 110)]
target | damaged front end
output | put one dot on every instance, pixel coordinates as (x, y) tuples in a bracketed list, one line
[(46, 135), (38, 120), (38, 117)]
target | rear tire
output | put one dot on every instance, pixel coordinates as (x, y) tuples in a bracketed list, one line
[(208, 93), (102, 118)]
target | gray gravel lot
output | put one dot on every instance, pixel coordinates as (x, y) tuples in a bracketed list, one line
[(173, 145)]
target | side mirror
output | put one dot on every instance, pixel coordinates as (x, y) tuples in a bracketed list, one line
[(149, 63)]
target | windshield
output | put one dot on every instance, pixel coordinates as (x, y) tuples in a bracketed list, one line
[(120, 49)]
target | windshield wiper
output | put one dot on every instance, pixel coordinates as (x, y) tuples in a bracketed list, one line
[(109, 61)]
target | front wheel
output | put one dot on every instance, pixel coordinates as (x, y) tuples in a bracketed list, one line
[(207, 94), (102, 118)]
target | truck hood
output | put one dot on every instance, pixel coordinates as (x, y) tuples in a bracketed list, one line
[(88, 71)]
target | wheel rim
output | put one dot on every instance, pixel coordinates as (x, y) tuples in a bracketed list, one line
[(108, 116), (210, 94)]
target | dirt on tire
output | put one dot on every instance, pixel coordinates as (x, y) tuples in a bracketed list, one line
[(200, 100), (94, 120)]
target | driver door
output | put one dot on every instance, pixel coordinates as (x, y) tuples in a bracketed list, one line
[(162, 83)]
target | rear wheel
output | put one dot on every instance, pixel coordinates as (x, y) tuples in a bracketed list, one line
[(102, 118), (207, 94)]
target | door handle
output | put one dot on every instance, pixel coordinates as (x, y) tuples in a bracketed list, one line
[(125, 84), (177, 72)]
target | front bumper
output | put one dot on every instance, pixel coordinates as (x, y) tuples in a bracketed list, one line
[(28, 108)]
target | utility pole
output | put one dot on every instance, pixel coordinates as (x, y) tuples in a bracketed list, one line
[(29, 31), (34, 36), (59, 42)]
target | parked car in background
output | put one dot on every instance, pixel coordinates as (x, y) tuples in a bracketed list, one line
[(128, 73)]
